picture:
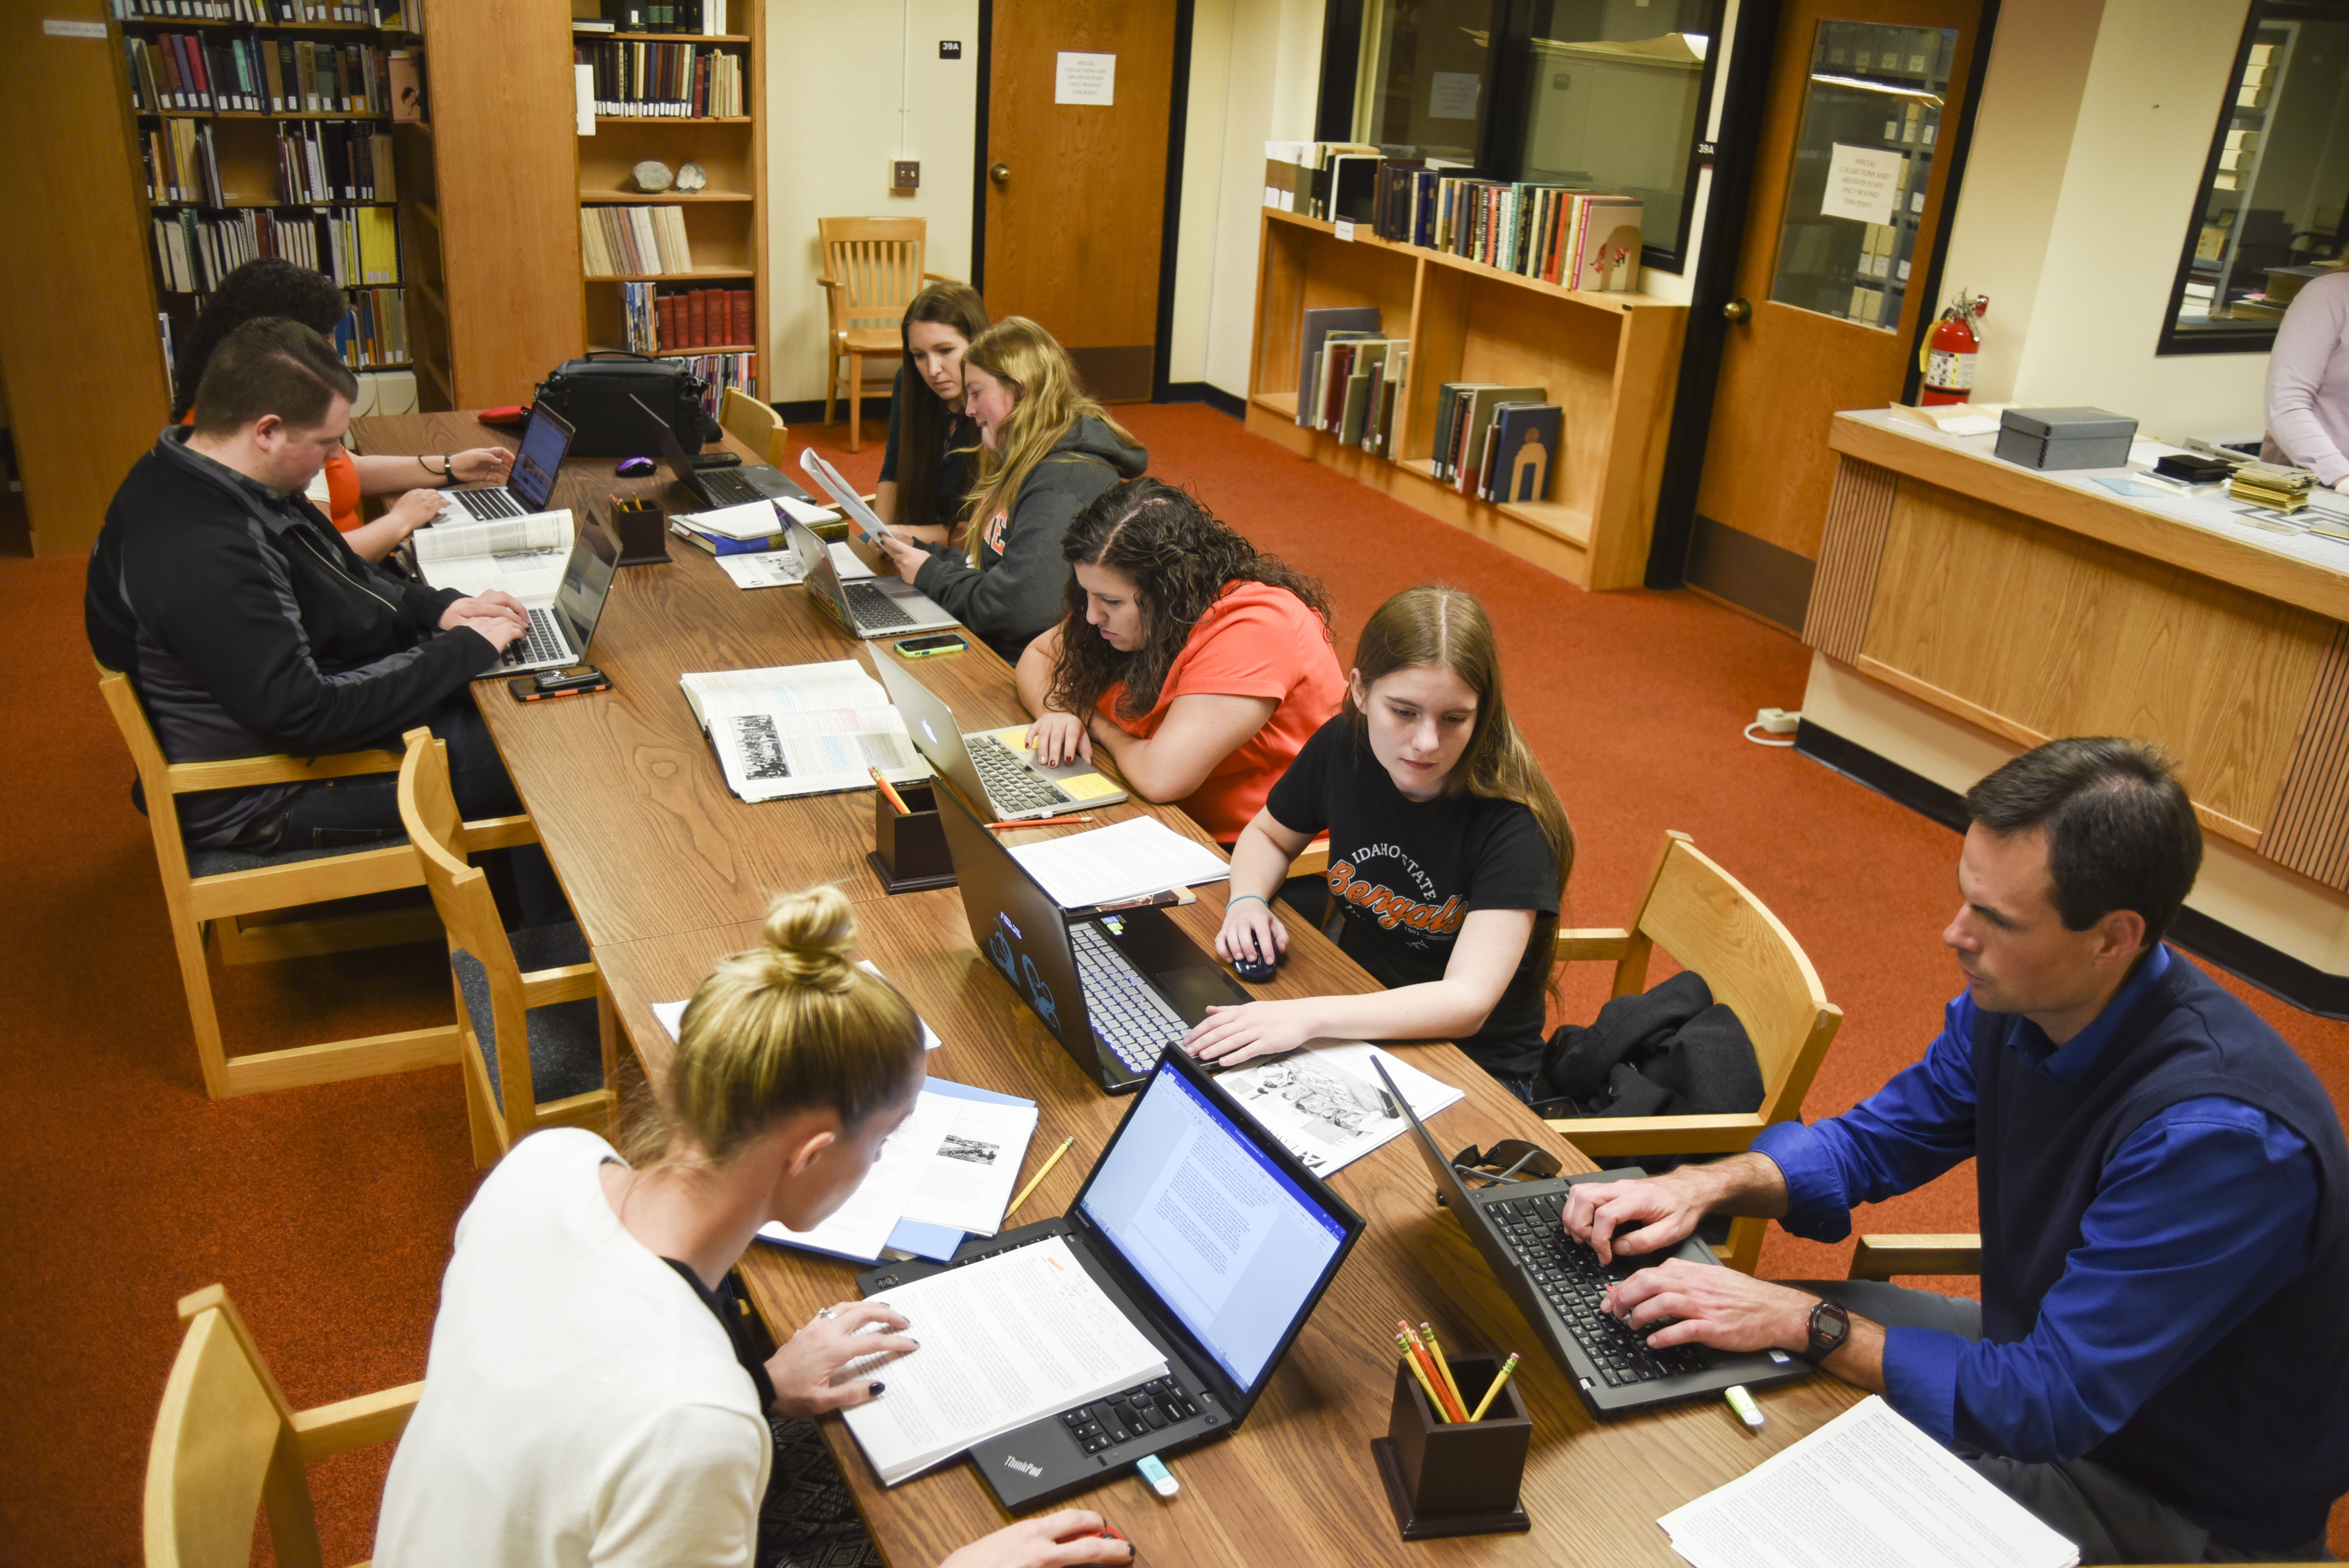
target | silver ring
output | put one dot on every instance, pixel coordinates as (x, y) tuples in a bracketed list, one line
[(823, 1312)]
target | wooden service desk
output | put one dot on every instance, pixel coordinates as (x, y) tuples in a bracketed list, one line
[(1296, 1484)]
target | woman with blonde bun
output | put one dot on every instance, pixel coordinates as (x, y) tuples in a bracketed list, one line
[(591, 1396)]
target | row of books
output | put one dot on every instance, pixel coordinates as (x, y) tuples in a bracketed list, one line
[(402, 15), (327, 161), (247, 73), (665, 81), (617, 242), (181, 163), (357, 247), (1496, 443), (374, 332), (1357, 383), (706, 17), (719, 371), (1586, 240), (663, 318)]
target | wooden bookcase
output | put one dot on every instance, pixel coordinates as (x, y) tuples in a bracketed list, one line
[(1609, 360), (725, 222)]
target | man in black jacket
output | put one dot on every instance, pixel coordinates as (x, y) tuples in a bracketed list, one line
[(248, 626)]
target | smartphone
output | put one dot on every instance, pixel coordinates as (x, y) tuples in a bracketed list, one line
[(558, 683), (929, 647), (718, 460)]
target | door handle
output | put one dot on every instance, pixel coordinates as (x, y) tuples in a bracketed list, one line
[(1738, 310), (1000, 174)]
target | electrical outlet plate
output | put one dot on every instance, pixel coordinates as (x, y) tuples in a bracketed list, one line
[(905, 175)]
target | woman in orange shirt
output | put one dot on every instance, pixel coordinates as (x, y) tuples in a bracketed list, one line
[(1200, 666), (274, 287)]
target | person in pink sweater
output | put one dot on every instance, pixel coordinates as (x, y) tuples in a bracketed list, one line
[(2308, 383)]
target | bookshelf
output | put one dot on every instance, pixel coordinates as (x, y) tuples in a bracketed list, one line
[(725, 223), (1609, 360)]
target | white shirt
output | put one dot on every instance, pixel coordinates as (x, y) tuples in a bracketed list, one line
[(580, 1405)]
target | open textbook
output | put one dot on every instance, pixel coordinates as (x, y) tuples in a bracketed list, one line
[(522, 555), (1326, 1104), (801, 730), (1004, 1341)]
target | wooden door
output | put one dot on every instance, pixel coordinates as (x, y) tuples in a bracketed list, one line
[(1825, 325), (1076, 191)]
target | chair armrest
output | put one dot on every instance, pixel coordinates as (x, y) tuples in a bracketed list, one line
[(1602, 943), (238, 772), (499, 833), (827, 281), (571, 983), (1881, 1257), (1613, 1135), (937, 278), (1313, 860), (347, 1424)]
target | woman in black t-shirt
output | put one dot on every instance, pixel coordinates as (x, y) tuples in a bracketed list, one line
[(1448, 854), (925, 472)]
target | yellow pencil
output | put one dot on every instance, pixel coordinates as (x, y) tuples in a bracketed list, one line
[(1420, 1372), (1039, 1175), (1435, 1353), (1498, 1379)]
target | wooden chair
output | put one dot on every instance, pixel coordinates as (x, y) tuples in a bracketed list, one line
[(1883, 1257), (754, 424), (227, 1443), (207, 892), (1701, 916), (527, 1033), (872, 271)]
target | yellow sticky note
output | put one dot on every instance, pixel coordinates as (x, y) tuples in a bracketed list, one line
[(1088, 786)]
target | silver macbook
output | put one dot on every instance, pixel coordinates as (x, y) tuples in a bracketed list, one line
[(562, 628), (546, 443), (884, 607), (985, 765)]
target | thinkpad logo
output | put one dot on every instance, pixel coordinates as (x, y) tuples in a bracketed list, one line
[(1011, 1462)]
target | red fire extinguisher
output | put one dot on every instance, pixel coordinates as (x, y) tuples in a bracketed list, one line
[(1947, 354)]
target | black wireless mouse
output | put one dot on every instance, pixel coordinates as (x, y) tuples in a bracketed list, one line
[(633, 468), (1255, 971)]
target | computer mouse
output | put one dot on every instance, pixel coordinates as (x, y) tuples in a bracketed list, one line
[(633, 468), (1255, 970)]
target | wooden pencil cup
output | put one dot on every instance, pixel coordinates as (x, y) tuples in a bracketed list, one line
[(642, 528), (1456, 1478), (909, 849)]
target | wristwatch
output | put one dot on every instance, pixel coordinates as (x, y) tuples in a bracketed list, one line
[(1830, 1326)]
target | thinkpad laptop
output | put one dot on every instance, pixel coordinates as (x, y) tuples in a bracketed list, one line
[(562, 628), (1557, 1282), (1117, 990), (1221, 1298), (715, 486), (985, 765), (546, 443), (884, 607)]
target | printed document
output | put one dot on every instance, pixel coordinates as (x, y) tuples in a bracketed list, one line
[(860, 1227), (968, 1183), (800, 730), (1004, 1341), (1325, 1102), (1866, 1491), (522, 555), (1132, 858)]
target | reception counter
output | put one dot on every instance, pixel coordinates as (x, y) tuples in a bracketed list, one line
[(1966, 608)]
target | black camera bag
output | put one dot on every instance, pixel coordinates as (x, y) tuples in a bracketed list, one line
[(593, 394)]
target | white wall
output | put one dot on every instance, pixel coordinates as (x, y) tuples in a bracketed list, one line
[(837, 79)]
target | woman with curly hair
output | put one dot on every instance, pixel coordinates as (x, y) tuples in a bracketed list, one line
[(1199, 665)]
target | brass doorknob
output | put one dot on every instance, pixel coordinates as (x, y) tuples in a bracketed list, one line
[(1738, 310), (1000, 174)]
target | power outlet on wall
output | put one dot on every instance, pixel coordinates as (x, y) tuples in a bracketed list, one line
[(905, 175)]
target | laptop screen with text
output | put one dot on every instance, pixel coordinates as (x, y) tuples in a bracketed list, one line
[(539, 460)]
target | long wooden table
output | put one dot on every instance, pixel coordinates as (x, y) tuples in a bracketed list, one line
[(667, 872)]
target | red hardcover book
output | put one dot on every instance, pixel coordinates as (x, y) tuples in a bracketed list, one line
[(696, 318), (665, 318), (738, 323)]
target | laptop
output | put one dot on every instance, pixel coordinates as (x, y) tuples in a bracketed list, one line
[(546, 443), (716, 486), (1116, 989), (1557, 1282), (562, 628), (982, 766), (882, 607), (1222, 1330)]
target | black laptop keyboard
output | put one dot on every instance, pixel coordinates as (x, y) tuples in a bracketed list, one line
[(873, 610), (542, 643), (487, 504), (1127, 1016), (1145, 1408), (719, 486), (1570, 1277), (1010, 783)]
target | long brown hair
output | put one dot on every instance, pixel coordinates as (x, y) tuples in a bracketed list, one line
[(1445, 628), (1180, 558), (924, 422), (1019, 353)]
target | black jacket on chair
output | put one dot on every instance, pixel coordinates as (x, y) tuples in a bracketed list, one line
[(1670, 1051)]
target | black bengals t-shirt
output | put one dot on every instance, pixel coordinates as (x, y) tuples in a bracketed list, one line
[(1408, 872)]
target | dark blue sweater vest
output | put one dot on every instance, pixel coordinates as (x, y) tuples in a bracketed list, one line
[(2251, 1441)]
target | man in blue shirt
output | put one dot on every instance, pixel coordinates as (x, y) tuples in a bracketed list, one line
[(2159, 1366)]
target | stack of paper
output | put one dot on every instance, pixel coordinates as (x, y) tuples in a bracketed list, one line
[(1865, 1489), (522, 555), (1325, 1102), (800, 730), (1132, 858)]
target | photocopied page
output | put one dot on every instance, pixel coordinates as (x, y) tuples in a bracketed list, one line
[(523, 556), (860, 1227), (751, 519), (968, 1183), (1131, 860), (1326, 1103), (800, 730), (1866, 1491), (1004, 1342), (770, 569)]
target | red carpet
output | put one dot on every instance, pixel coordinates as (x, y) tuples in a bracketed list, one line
[(327, 1212)]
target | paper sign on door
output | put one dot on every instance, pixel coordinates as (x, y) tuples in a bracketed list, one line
[(1862, 183), (1085, 78)]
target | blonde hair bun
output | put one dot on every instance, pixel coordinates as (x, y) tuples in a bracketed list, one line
[(807, 940)]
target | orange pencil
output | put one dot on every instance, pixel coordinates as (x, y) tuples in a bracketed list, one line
[(1038, 823), (1435, 1374), (1427, 1332), (890, 791), (1443, 1413)]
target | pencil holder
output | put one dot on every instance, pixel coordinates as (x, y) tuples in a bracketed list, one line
[(1456, 1478), (642, 528), (909, 848)]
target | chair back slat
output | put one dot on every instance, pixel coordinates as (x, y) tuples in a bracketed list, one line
[(154, 772), (878, 263), (224, 1444)]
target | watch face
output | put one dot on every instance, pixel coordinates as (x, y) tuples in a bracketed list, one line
[(1830, 1326)]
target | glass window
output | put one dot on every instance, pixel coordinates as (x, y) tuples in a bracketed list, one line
[(1423, 92), (2269, 216), (1872, 112)]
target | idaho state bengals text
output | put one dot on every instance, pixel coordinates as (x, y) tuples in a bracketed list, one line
[(1392, 908)]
